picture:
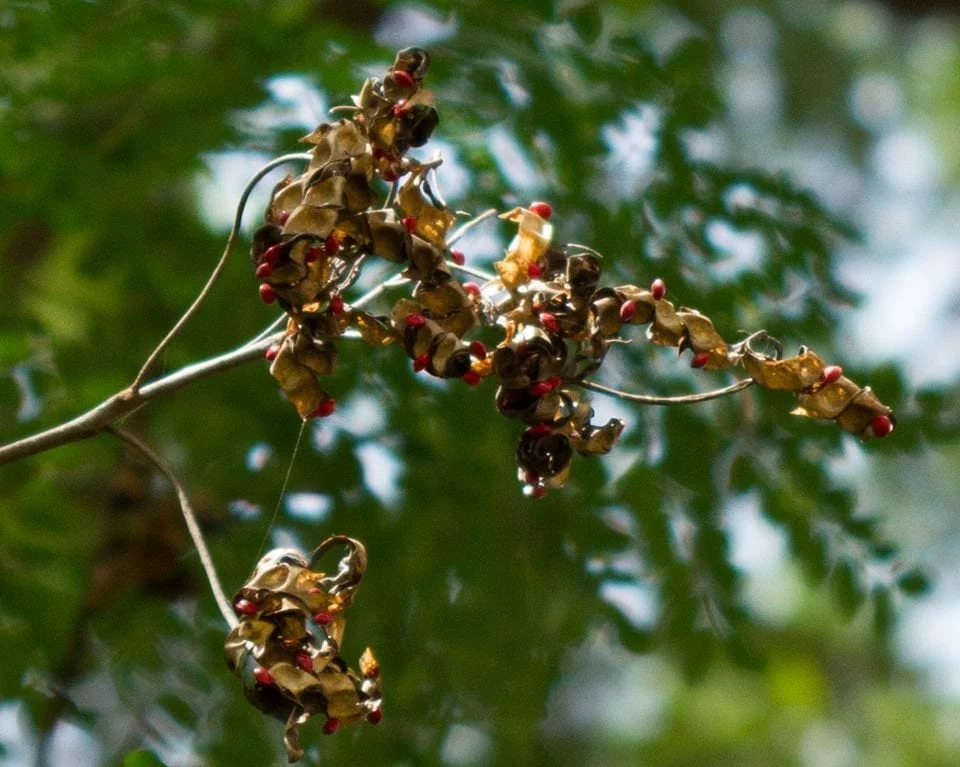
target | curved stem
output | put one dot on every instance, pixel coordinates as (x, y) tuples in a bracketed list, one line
[(686, 399), (226, 609), (218, 269)]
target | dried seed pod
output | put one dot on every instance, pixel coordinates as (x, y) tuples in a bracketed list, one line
[(286, 649)]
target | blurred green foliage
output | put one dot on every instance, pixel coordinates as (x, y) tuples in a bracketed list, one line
[(487, 610)]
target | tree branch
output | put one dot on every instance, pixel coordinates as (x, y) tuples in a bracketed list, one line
[(123, 403), (226, 608)]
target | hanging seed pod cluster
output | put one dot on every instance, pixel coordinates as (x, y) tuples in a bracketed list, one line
[(286, 647), (557, 321)]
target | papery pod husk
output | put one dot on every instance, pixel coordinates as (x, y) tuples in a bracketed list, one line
[(701, 336), (575, 408), (667, 328), (606, 311), (598, 440), (791, 374), (827, 402), (415, 125), (286, 196), (326, 189), (373, 330), (312, 219), (418, 341), (426, 262), (582, 272), (379, 232), (544, 456), (335, 141), (531, 242), (858, 417), (449, 305), (521, 363), (449, 358), (646, 303), (516, 403), (571, 314), (433, 223), (297, 380), (413, 60)]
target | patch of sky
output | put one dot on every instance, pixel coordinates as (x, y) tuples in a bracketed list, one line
[(382, 471), (309, 507), (406, 24)]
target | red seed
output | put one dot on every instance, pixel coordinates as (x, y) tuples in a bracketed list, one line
[(531, 478), (378, 153), (267, 294), (881, 425), (399, 108), (324, 409), (699, 360), (420, 362), (534, 271), (262, 676), (472, 289), (471, 378), (409, 223), (549, 321), (313, 254), (271, 353), (331, 726), (658, 288), (272, 254), (336, 304), (831, 373), (402, 78), (540, 430), (538, 492), (331, 245), (628, 310), (416, 320), (375, 716), (264, 271), (282, 218), (305, 662), (540, 388), (542, 209), (478, 349), (389, 175), (245, 607), (315, 590), (457, 257), (323, 618), (535, 306)]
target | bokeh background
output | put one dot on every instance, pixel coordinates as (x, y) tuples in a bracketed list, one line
[(731, 586)]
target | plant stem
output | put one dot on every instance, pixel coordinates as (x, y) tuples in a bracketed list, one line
[(218, 269), (226, 609), (686, 399)]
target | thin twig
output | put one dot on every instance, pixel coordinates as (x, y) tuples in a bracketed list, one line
[(218, 269), (686, 399), (478, 273), (226, 609), (461, 231)]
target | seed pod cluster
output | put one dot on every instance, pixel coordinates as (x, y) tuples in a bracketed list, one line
[(557, 321), (321, 226), (286, 647)]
